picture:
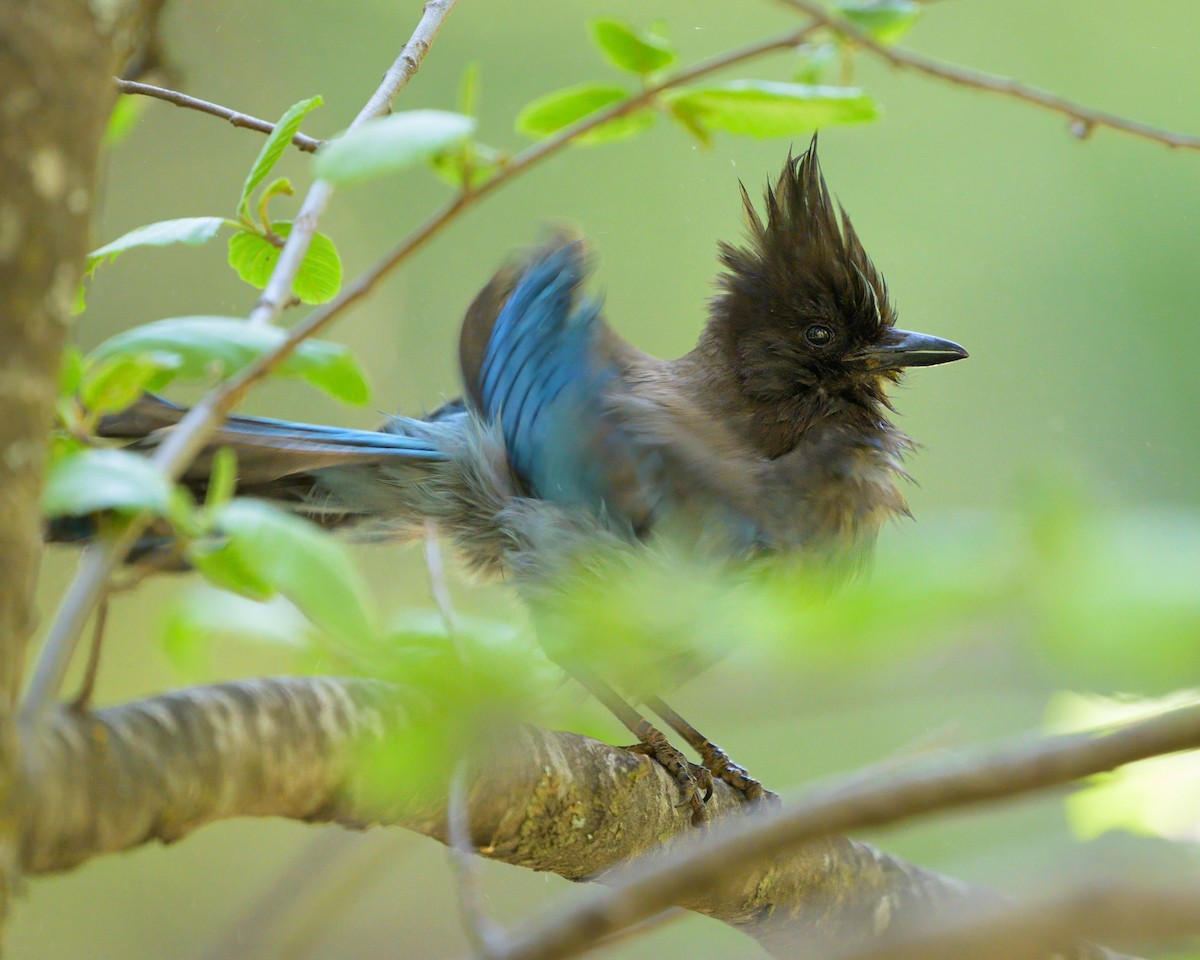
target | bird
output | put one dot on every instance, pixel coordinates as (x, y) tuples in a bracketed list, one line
[(770, 437)]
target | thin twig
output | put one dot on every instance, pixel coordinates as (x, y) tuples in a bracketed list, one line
[(641, 928), (84, 697), (870, 799), (96, 567), (437, 579), (1041, 926), (244, 120), (488, 940), (1083, 118), (100, 560), (278, 290), (189, 436)]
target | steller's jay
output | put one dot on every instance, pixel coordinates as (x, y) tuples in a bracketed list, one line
[(771, 435)]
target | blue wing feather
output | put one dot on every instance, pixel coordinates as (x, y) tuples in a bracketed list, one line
[(544, 376)]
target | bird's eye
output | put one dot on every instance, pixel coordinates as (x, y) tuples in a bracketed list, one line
[(818, 335)]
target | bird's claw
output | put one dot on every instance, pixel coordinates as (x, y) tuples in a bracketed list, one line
[(717, 761), (695, 781)]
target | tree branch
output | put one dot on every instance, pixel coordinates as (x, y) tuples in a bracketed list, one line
[(1083, 118), (244, 120), (1047, 925), (56, 56), (158, 769), (161, 768), (872, 798)]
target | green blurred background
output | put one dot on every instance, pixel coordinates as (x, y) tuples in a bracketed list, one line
[(1067, 269)]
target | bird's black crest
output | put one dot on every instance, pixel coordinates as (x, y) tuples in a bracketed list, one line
[(803, 263)]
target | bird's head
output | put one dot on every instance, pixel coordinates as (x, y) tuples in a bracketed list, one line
[(802, 315)]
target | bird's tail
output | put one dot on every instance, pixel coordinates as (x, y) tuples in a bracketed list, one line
[(335, 476)]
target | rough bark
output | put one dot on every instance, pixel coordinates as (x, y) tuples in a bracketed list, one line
[(56, 58), (559, 802), (55, 98)]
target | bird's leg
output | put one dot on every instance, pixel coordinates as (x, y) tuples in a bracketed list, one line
[(695, 780), (714, 758)]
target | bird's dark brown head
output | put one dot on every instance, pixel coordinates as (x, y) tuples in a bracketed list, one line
[(802, 315)]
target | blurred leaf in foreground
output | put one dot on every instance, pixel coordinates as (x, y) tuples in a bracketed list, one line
[(204, 616), (1159, 797), (464, 691), (259, 550), (89, 481), (206, 347), (390, 144)]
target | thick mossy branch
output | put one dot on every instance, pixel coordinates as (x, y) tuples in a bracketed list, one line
[(160, 768)]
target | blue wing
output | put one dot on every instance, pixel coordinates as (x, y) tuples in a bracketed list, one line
[(538, 360)]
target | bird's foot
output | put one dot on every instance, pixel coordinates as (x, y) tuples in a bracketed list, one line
[(694, 780), (717, 762)]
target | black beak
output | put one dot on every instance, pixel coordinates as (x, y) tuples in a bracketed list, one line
[(902, 348)]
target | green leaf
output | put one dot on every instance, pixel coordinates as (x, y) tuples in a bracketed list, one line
[(555, 111), (481, 160), (253, 256), (765, 108), (815, 59), (385, 146), (468, 90), (127, 111), (113, 384), (278, 141), (205, 615), (456, 691), (885, 20), (272, 551), (226, 567), (220, 346), (280, 185), (690, 119), (190, 230), (92, 480), (222, 478), (70, 372), (629, 49)]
